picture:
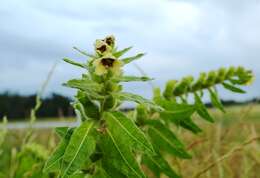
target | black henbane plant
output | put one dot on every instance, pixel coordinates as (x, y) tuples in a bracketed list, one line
[(111, 144)]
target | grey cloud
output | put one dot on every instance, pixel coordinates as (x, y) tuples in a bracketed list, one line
[(180, 37)]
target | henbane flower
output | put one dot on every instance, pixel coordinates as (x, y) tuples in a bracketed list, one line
[(102, 48), (106, 63), (110, 41)]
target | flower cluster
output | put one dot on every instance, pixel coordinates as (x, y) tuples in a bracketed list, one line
[(106, 61)]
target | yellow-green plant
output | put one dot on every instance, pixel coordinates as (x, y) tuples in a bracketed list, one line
[(110, 144), (27, 160)]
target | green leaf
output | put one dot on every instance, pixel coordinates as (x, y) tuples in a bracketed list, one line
[(110, 169), (124, 96), (75, 63), (201, 109), (131, 59), (119, 156), (164, 139), (124, 129), (80, 147), (84, 53), (91, 110), (79, 175), (100, 173), (188, 124), (215, 100), (131, 79), (121, 52), (61, 131), (84, 84), (54, 162), (232, 88), (157, 164), (174, 111), (80, 111), (90, 87)]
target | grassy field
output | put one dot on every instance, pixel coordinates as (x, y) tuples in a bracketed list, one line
[(228, 149)]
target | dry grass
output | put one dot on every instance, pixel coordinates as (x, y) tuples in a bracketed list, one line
[(228, 149)]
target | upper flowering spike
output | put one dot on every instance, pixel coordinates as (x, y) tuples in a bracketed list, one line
[(102, 47)]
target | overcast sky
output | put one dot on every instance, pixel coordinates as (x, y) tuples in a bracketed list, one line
[(180, 38)]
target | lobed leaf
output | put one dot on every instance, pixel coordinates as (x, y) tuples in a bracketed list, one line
[(122, 52), (157, 164), (215, 100), (80, 147), (75, 63), (88, 86), (100, 173), (119, 156), (84, 84), (174, 111), (201, 109), (54, 162), (125, 130), (131, 59), (84, 53), (124, 96), (232, 88), (90, 108), (61, 131), (164, 139), (188, 124), (131, 79)]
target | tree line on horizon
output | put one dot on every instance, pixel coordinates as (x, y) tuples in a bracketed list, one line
[(18, 107)]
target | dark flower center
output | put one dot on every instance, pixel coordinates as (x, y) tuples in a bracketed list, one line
[(109, 41), (107, 62), (102, 48)]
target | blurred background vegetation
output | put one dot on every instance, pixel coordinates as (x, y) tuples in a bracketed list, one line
[(17, 107)]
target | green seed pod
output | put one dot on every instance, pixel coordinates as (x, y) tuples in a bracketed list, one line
[(170, 85), (183, 85), (240, 71), (90, 108), (230, 72), (189, 80), (221, 75), (96, 78), (156, 94), (211, 79), (109, 103), (111, 87), (246, 78), (199, 83), (202, 79), (141, 114)]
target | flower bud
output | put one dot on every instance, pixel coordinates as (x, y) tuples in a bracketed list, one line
[(141, 114)]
